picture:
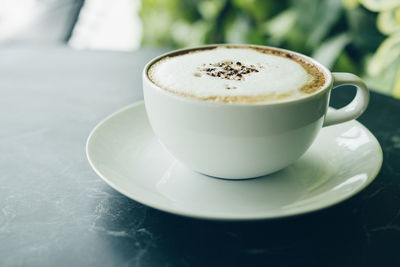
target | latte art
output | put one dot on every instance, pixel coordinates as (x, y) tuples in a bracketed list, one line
[(237, 74)]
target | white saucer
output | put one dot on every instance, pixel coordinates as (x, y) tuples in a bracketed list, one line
[(125, 154)]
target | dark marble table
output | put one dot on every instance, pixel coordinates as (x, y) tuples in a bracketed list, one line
[(55, 211)]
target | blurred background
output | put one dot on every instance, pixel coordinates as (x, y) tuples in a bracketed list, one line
[(358, 36)]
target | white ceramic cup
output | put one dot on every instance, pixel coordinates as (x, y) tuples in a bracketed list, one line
[(237, 141)]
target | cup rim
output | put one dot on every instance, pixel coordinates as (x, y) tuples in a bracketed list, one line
[(326, 87)]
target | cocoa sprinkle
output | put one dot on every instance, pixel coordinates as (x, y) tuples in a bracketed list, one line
[(228, 70)]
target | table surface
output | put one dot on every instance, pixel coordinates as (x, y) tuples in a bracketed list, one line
[(55, 211)]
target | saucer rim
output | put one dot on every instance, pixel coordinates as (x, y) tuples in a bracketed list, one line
[(215, 217)]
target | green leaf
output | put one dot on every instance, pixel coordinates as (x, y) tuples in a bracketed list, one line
[(345, 63), (396, 86), (236, 31), (260, 10), (387, 53), (350, 4), (365, 36), (330, 50), (317, 18), (385, 81), (185, 34), (380, 5), (387, 21), (383, 68), (279, 26), (210, 9)]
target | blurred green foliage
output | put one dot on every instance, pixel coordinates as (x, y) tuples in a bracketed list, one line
[(358, 36)]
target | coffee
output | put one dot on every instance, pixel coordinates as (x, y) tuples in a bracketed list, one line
[(237, 74)]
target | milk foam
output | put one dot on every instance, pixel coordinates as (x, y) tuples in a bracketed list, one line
[(274, 77)]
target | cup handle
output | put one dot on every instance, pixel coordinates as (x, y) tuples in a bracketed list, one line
[(356, 107)]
